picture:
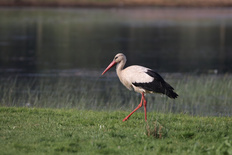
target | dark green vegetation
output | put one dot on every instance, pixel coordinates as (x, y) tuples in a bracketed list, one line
[(204, 95), (60, 131)]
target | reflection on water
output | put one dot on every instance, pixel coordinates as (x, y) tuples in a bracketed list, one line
[(168, 40)]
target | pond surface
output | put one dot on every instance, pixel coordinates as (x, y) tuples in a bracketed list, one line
[(167, 40), (54, 57)]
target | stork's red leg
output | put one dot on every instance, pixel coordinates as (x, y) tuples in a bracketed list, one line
[(145, 106), (139, 106)]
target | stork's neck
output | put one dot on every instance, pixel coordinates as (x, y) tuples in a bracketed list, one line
[(120, 66)]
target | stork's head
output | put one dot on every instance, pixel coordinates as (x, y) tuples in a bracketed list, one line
[(117, 59)]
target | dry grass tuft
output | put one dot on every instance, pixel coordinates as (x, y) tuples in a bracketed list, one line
[(157, 130)]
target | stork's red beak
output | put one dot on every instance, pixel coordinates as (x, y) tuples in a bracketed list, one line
[(110, 65)]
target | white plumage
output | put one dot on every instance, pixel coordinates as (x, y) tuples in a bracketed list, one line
[(133, 74), (140, 79)]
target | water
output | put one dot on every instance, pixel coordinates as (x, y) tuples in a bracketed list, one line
[(167, 40), (59, 54)]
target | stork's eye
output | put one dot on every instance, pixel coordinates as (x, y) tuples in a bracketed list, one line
[(116, 58)]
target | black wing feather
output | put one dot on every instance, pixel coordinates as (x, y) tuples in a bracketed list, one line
[(158, 85)]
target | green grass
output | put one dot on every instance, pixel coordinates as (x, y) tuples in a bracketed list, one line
[(62, 115), (63, 131)]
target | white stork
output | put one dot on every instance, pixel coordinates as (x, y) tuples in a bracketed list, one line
[(140, 79)]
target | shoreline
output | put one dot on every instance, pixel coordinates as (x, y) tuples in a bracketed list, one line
[(121, 3)]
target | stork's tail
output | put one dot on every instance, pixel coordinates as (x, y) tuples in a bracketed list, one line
[(169, 91)]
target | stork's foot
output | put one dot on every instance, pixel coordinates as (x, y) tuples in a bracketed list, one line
[(125, 119), (139, 106)]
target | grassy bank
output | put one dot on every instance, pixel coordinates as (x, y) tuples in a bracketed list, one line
[(59, 131), (118, 3)]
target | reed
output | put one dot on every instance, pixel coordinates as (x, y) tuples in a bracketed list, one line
[(198, 95)]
